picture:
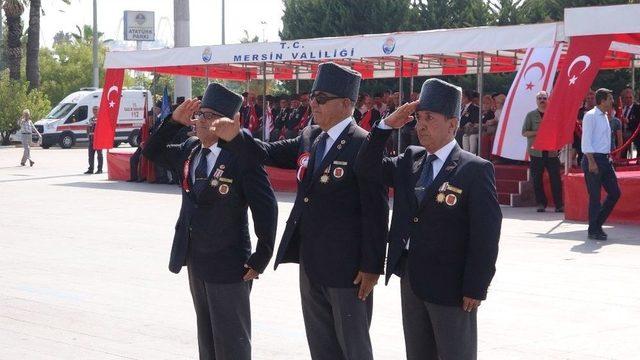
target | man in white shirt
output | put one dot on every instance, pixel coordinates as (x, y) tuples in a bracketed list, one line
[(596, 163)]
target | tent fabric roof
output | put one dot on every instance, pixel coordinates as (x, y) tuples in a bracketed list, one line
[(420, 53)]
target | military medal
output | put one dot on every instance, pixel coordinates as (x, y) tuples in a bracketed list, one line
[(223, 189), (440, 198), (451, 199), (303, 162), (324, 178), (454, 189), (214, 182), (338, 172), (218, 172)]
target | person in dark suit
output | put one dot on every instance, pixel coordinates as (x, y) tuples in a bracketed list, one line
[(281, 119), (470, 112), (336, 229), (630, 118), (444, 234), (211, 235)]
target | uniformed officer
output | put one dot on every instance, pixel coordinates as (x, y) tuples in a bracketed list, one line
[(212, 235), (444, 234), (91, 128), (332, 231)]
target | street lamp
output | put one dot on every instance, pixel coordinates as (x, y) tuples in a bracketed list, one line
[(96, 80), (264, 24)]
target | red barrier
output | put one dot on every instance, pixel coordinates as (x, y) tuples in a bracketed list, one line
[(627, 210), (118, 165)]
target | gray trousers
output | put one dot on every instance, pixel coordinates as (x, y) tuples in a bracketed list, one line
[(224, 319), (26, 147), (436, 332), (336, 321), (92, 153)]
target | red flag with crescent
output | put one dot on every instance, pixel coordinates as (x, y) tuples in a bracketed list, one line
[(109, 107), (254, 121), (584, 57)]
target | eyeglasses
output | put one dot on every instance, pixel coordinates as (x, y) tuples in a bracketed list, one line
[(322, 99), (542, 98), (207, 115)]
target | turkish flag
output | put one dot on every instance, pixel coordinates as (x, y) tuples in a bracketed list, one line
[(109, 107), (583, 60)]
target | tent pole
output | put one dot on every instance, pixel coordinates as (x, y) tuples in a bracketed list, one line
[(297, 82), (400, 97), (633, 72), (206, 74), (410, 85), (481, 94), (264, 102)]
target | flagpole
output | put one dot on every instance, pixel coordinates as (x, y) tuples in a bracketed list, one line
[(400, 100), (480, 92), (264, 101)]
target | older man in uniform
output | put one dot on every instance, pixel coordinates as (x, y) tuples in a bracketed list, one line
[(212, 235), (91, 129), (336, 227), (445, 226)]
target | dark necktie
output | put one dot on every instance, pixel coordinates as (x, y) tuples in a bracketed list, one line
[(319, 153), (201, 173), (425, 179)]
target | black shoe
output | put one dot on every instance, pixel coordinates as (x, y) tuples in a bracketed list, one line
[(540, 209), (99, 171), (601, 236), (31, 162), (89, 171), (21, 164), (132, 180), (560, 209)]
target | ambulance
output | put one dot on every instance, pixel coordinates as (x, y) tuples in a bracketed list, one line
[(66, 124)]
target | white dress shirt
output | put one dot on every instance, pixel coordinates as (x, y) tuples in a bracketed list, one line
[(596, 132), (211, 161), (442, 154), (334, 133)]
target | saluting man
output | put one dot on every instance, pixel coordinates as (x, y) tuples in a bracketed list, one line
[(336, 227), (444, 234), (212, 235)]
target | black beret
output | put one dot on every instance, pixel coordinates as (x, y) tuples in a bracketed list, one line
[(158, 104), (337, 80), (221, 100), (440, 97)]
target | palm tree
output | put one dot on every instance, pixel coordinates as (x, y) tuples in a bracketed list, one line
[(13, 9), (33, 43), (84, 34)]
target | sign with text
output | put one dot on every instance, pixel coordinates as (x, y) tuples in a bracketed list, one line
[(139, 26)]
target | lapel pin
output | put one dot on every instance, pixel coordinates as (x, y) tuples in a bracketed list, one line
[(223, 189), (451, 199), (324, 178), (338, 172), (440, 198), (214, 183)]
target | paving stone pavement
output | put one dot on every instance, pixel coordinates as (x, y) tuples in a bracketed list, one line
[(83, 275)]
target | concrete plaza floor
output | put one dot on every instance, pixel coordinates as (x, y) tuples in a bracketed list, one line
[(83, 275)]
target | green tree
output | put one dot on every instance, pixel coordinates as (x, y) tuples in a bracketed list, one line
[(304, 19), (13, 10), (17, 97), (67, 68), (449, 14)]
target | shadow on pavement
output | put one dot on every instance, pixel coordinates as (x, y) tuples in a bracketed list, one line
[(126, 186)]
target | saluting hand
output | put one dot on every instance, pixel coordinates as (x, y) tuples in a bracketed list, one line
[(469, 304), (183, 114), (402, 115), (225, 128), (367, 281), (251, 274)]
